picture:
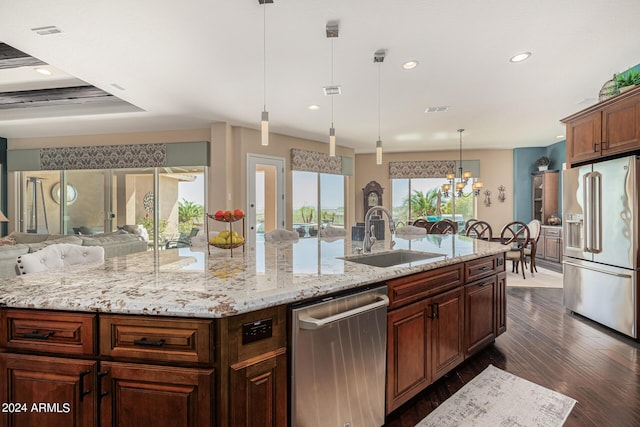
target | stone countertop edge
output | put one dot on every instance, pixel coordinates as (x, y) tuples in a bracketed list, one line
[(116, 290)]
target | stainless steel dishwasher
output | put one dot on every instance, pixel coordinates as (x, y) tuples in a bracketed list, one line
[(339, 348)]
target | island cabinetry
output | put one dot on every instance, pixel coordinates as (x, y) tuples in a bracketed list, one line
[(47, 391), (252, 378), (608, 128), (167, 340), (170, 383), (150, 395), (424, 330), (439, 317), (501, 303), (58, 380), (480, 314)]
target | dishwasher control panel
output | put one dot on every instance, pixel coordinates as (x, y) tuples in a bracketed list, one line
[(256, 331)]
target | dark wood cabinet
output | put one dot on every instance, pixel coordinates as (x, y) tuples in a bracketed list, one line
[(480, 314), (434, 321), (447, 330), (408, 371), (259, 391), (159, 396), (501, 303), (63, 391), (608, 128)]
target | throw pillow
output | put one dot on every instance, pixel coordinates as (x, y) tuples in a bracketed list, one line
[(7, 241)]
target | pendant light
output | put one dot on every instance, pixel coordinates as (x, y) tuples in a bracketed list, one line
[(264, 120), (332, 31), (378, 58)]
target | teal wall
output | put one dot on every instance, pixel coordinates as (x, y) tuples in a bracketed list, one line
[(523, 165)]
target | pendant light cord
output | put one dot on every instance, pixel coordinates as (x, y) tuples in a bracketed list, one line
[(332, 81), (460, 167), (379, 101), (264, 53)]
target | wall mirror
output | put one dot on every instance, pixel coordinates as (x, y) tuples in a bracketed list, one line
[(72, 193)]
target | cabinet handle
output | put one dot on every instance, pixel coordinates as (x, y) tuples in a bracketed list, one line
[(595, 147), (483, 284), (100, 375), (485, 268), (435, 311), (38, 336), (83, 392), (147, 343)]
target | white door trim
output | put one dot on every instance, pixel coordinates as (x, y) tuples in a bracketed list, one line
[(252, 161)]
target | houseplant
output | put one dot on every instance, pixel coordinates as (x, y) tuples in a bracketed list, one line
[(627, 80), (543, 163)]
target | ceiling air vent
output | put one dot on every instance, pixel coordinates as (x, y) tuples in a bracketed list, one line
[(441, 109), (45, 31), (332, 90)]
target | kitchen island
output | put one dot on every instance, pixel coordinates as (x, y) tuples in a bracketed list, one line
[(203, 339)]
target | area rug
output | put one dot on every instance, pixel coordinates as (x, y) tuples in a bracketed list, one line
[(543, 278), (498, 398)]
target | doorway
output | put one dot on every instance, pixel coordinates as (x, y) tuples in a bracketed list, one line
[(265, 195)]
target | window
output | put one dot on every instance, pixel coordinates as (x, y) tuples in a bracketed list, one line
[(414, 198), (317, 202)]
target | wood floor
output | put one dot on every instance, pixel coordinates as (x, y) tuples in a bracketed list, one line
[(555, 349)]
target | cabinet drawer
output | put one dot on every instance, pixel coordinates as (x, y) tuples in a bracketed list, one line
[(48, 331), (483, 267), (405, 290), (553, 232), (156, 339)]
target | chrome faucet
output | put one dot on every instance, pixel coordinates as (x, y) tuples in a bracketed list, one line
[(369, 238)]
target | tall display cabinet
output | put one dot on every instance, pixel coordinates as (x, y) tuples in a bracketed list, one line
[(544, 195)]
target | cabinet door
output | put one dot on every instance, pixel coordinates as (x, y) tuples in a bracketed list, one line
[(407, 352), (480, 310), (259, 392), (621, 126), (584, 137), (62, 391), (501, 303), (157, 396), (552, 249), (447, 332)]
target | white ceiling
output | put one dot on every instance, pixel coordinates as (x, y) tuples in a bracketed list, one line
[(189, 64)]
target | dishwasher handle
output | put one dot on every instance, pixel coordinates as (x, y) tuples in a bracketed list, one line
[(310, 323)]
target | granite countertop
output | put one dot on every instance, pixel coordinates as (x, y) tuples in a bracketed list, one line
[(190, 283)]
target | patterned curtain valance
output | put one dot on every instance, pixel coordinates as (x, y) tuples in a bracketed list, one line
[(421, 169), (104, 157), (313, 161)]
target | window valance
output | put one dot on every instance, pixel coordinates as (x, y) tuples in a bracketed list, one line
[(314, 161), (431, 168), (126, 156)]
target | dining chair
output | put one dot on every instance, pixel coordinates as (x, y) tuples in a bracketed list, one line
[(516, 235), (421, 222), (444, 226), (479, 230), (468, 224), (535, 226)]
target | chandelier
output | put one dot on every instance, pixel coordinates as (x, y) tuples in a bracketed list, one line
[(457, 184)]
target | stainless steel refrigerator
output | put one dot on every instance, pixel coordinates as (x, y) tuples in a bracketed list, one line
[(600, 226)]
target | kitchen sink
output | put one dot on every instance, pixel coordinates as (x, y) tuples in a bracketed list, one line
[(391, 258)]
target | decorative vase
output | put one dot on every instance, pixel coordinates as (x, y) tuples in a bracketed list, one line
[(543, 167)]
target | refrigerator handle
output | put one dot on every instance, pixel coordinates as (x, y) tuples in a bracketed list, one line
[(588, 220), (596, 205)]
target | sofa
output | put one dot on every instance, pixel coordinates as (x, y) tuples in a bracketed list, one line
[(114, 244)]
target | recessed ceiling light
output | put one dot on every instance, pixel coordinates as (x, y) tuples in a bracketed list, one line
[(117, 86), (410, 65), (520, 57), (560, 136), (43, 71), (313, 107)]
